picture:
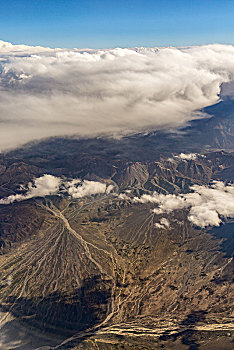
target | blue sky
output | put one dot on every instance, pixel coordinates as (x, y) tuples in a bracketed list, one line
[(111, 23)]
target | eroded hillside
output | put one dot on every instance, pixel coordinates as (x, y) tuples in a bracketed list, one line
[(101, 272)]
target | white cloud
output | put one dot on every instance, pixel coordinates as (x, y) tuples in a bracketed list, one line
[(109, 189), (11, 49), (49, 92), (206, 205), (187, 156), (163, 224), (78, 189), (40, 187), (51, 185)]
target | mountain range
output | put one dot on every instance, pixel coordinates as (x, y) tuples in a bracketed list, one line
[(108, 269)]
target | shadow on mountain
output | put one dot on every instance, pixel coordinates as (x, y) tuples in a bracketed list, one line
[(63, 314), (187, 336), (225, 232)]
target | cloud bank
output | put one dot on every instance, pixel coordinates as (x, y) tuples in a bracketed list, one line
[(51, 185), (206, 205), (50, 92)]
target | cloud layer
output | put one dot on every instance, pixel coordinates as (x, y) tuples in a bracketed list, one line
[(47, 92), (206, 205), (51, 185)]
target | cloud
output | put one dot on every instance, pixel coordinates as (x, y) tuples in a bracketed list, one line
[(188, 156), (50, 92), (78, 189), (43, 186), (51, 185), (10, 49), (125, 195), (206, 205), (164, 224)]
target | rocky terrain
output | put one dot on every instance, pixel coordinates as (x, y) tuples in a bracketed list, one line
[(99, 272)]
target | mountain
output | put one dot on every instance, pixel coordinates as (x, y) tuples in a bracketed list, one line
[(106, 271)]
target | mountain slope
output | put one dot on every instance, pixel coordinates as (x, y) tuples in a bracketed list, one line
[(104, 271)]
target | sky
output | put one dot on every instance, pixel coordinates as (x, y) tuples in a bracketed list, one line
[(116, 23)]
